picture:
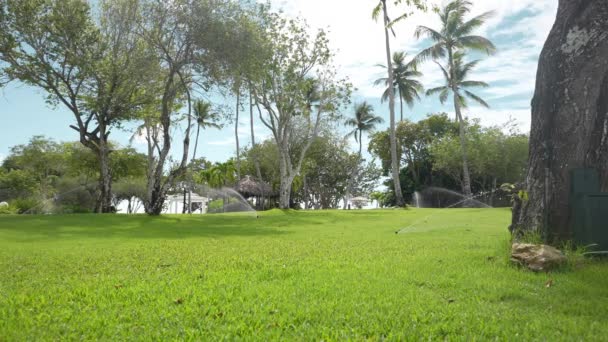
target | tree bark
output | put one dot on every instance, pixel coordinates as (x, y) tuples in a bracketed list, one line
[(286, 179), (104, 196), (401, 106), (569, 117), (158, 184), (391, 103), (236, 135), (256, 161), (466, 176), (185, 202)]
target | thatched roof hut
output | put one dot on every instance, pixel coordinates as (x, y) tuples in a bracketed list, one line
[(250, 187)]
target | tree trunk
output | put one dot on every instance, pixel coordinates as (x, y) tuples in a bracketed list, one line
[(391, 104), (569, 117), (286, 180), (401, 106), (104, 192), (236, 135), (185, 203), (360, 143), (198, 129), (256, 161), (158, 183), (285, 193), (466, 177), (492, 192)]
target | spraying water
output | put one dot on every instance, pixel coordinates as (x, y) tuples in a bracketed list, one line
[(445, 198), (464, 199), (225, 200), (417, 202)]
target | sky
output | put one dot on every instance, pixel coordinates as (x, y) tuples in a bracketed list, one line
[(518, 29)]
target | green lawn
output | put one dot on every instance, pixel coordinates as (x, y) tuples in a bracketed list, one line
[(286, 275)]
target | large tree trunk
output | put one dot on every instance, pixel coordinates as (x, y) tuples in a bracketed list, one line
[(286, 180), (158, 183), (104, 191), (391, 103), (466, 176), (569, 117)]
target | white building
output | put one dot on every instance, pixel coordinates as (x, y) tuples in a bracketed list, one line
[(174, 204)]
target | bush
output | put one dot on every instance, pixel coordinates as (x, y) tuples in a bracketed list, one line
[(8, 210), (27, 206)]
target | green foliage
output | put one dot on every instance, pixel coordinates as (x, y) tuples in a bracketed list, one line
[(16, 184), (365, 120), (405, 83), (28, 205), (230, 276), (492, 155), (8, 210)]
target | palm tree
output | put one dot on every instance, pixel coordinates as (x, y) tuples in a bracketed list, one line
[(203, 118), (218, 176), (381, 8), (405, 82), (364, 121), (454, 38)]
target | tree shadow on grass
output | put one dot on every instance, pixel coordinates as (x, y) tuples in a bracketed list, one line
[(67, 227)]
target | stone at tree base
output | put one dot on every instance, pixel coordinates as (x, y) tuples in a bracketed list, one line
[(537, 257)]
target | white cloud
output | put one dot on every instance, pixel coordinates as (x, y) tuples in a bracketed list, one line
[(519, 26)]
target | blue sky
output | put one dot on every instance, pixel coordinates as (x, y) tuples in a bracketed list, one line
[(518, 29)]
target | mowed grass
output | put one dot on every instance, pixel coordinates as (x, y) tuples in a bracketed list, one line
[(330, 275)]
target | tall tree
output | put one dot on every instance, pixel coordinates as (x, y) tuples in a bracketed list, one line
[(405, 82), (203, 118), (456, 82), (183, 35), (297, 92), (378, 10), (452, 40), (364, 121), (95, 67), (569, 117)]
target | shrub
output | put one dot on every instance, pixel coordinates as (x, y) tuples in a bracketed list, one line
[(27, 205), (8, 210)]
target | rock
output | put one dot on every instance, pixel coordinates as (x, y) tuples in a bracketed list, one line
[(537, 257), (3, 205)]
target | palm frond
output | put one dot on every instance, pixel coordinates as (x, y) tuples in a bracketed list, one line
[(470, 84), (375, 120), (437, 90), (443, 95), (469, 26), (434, 52), (351, 122), (462, 71), (477, 43), (427, 32), (382, 80), (477, 99), (463, 101), (384, 96), (446, 75), (376, 11)]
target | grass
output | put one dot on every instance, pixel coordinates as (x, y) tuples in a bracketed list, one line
[(330, 275)]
